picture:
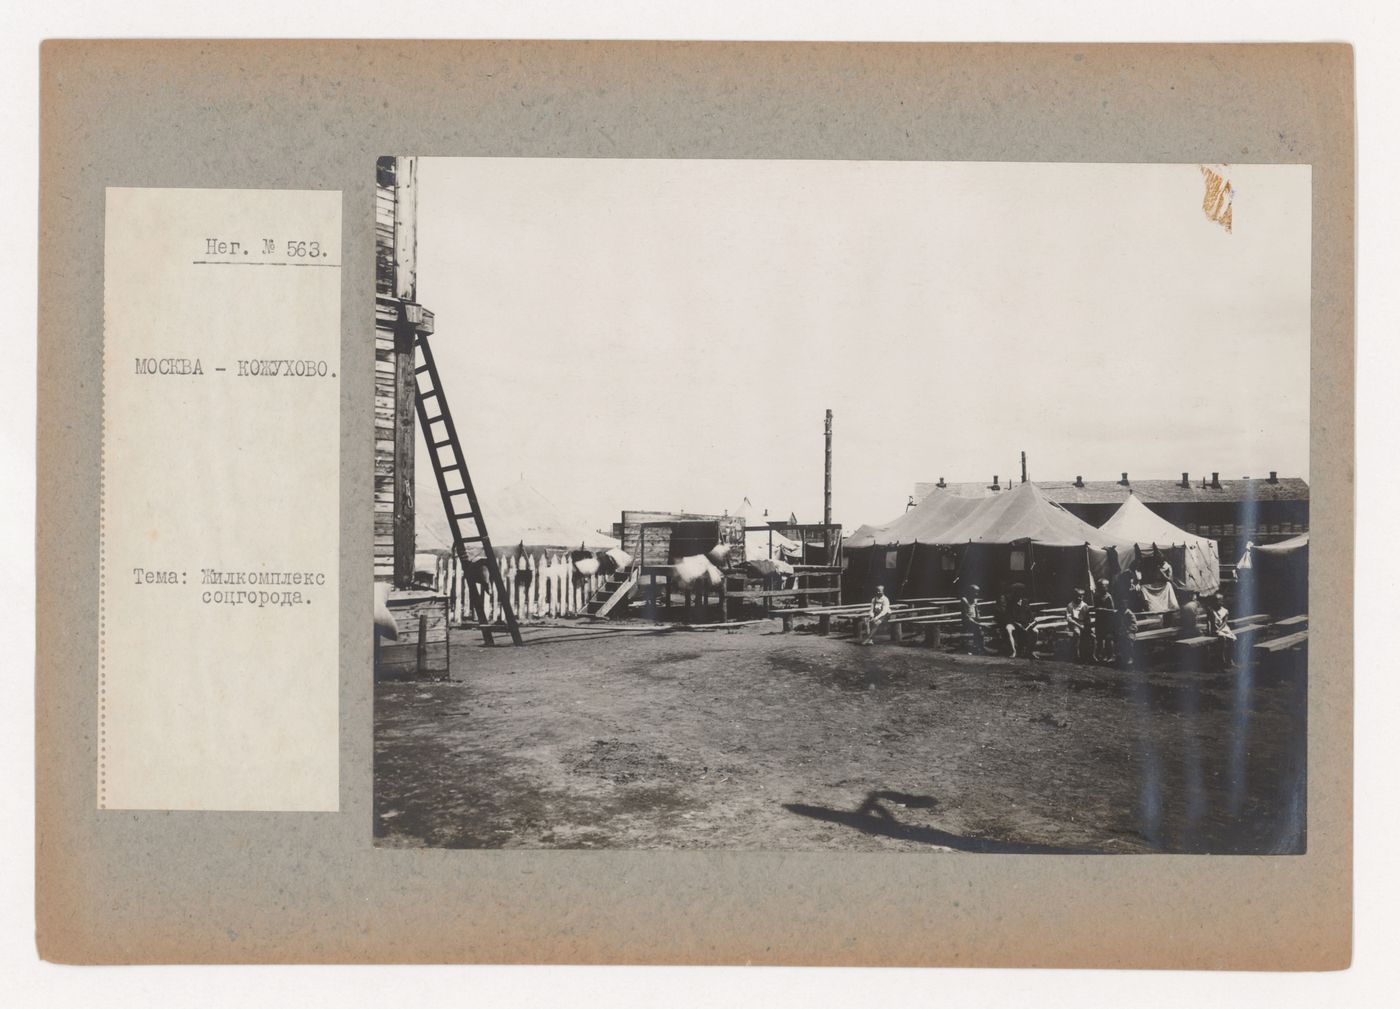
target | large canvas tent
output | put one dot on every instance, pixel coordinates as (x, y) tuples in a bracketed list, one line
[(864, 536), (1139, 531), (1021, 536), (947, 542), (883, 554)]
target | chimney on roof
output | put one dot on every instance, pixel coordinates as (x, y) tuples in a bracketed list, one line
[(941, 482), (1185, 479), (1124, 481), (1215, 480), (1079, 481), (1273, 476)]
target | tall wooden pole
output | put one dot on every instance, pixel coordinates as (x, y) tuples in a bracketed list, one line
[(826, 510), (1023, 466)]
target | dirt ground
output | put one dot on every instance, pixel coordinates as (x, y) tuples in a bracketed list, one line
[(755, 739)]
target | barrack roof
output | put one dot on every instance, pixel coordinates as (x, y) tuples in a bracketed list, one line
[(1147, 491)]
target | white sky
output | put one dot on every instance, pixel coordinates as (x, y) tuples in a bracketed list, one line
[(668, 333)]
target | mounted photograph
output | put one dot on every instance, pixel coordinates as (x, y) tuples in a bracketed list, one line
[(841, 505)]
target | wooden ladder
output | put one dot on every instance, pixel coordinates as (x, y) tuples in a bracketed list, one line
[(455, 485), (613, 591)]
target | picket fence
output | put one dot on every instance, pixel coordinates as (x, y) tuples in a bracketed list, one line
[(553, 590)]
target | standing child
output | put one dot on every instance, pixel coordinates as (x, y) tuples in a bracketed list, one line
[(1106, 624), (1078, 616), (972, 622)]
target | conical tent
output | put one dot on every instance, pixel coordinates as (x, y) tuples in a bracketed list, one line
[(1137, 529), (517, 515), (766, 543)]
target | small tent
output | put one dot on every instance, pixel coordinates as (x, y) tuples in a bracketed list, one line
[(1138, 531), (1273, 578)]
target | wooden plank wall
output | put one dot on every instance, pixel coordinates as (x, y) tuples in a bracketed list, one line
[(405, 353), (400, 659), (384, 227), (386, 312), (396, 249), (658, 539)]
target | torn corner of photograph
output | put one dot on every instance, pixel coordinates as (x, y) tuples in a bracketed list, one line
[(218, 683)]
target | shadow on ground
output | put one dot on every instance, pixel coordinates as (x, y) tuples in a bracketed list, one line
[(873, 817)]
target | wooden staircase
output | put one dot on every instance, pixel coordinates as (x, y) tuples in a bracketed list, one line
[(617, 588)]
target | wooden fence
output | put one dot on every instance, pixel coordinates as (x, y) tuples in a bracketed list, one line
[(552, 589)]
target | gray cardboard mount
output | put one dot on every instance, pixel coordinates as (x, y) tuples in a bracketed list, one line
[(128, 887)]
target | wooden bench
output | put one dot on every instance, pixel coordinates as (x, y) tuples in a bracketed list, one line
[(1253, 618), (985, 621), (856, 612), (1286, 643), (1252, 623), (1149, 621), (918, 616), (1244, 633), (932, 624)]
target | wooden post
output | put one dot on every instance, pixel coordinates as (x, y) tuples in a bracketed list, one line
[(420, 657), (824, 624)]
